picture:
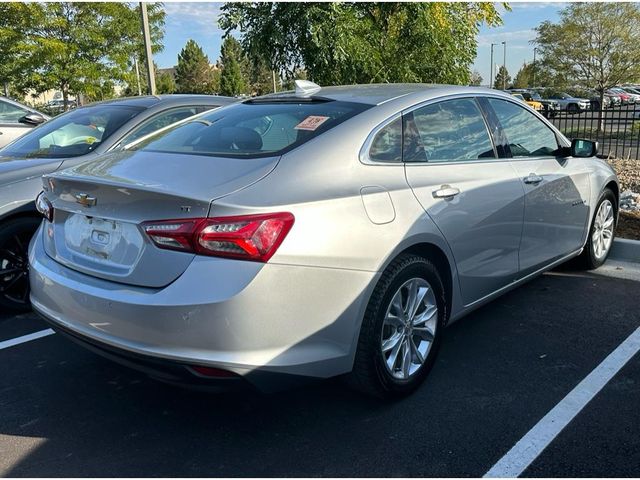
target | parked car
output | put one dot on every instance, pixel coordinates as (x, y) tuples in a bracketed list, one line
[(633, 93), (614, 99), (549, 107), (569, 103), (624, 97), (314, 233), (17, 119), (77, 136), (593, 96), (57, 106), (537, 106)]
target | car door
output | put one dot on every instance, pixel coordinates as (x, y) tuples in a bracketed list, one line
[(556, 189), (474, 197), (10, 127)]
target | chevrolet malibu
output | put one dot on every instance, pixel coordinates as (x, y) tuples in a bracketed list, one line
[(316, 233)]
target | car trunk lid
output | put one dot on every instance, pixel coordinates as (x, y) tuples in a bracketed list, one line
[(99, 207)]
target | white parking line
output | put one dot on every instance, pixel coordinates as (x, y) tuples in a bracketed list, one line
[(542, 434), (26, 338)]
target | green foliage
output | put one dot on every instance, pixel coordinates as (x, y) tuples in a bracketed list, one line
[(72, 47), (165, 83), (595, 44), (503, 80), (193, 72), (231, 57), (476, 79), (260, 77), (524, 77), (343, 43)]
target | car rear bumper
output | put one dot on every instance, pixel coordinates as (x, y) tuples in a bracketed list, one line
[(242, 317)]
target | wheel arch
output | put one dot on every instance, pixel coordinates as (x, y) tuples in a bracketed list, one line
[(439, 258), (615, 188), (26, 210)]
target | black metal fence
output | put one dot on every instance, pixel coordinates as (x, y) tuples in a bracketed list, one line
[(617, 129)]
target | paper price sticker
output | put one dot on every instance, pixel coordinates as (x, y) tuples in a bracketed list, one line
[(311, 123)]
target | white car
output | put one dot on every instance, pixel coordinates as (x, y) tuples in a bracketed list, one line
[(16, 120)]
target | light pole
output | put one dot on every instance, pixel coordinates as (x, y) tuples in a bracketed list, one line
[(491, 67), (151, 78), (535, 67), (504, 66)]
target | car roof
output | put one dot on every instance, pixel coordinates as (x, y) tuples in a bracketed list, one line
[(148, 101), (377, 94)]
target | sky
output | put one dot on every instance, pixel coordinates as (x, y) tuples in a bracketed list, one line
[(198, 21), (517, 31)]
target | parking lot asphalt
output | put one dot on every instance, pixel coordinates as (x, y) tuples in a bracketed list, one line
[(66, 412)]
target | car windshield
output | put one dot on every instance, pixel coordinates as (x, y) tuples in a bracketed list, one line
[(257, 128), (72, 134), (535, 96)]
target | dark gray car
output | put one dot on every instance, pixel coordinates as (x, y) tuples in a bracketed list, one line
[(80, 135)]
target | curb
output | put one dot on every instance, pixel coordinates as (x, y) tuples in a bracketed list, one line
[(626, 250)]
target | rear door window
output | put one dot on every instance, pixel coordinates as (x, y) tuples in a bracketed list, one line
[(253, 129), (448, 131)]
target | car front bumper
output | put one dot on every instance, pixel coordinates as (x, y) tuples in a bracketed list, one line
[(243, 317)]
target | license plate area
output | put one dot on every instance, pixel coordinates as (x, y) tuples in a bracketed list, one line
[(103, 241)]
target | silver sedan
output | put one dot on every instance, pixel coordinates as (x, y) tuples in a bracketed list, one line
[(78, 136), (322, 232)]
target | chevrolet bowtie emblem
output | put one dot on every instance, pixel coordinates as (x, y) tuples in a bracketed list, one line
[(86, 200)]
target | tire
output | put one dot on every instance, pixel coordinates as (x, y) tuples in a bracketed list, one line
[(590, 258), (371, 372), (14, 265)]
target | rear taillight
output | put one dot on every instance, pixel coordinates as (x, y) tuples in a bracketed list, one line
[(44, 207), (248, 237)]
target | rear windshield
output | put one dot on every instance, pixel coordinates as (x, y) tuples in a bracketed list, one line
[(72, 134), (253, 129)]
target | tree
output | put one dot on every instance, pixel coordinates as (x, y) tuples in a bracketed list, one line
[(476, 79), (524, 77), (10, 41), (343, 43), (165, 83), (503, 80), (231, 78), (260, 77), (193, 71), (72, 47), (595, 44)]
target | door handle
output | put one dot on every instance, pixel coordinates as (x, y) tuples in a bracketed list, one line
[(446, 191), (533, 179)]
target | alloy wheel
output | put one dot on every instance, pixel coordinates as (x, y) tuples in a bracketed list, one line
[(14, 269), (602, 235), (409, 328)]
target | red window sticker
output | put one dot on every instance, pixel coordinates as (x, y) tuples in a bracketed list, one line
[(311, 123)]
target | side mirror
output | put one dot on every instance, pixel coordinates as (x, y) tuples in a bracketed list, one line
[(583, 148), (32, 119)]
